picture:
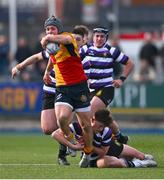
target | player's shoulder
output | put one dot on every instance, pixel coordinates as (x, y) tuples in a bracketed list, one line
[(45, 54), (107, 46), (107, 132), (85, 47)]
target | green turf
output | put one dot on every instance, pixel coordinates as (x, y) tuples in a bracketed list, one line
[(39, 149)]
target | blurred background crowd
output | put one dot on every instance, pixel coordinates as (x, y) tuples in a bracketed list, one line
[(136, 26)]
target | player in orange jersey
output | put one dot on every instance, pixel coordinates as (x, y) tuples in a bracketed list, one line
[(72, 91)]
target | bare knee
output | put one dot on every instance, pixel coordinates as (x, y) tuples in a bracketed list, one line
[(48, 128), (48, 121), (48, 131)]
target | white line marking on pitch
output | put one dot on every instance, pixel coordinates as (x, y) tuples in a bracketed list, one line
[(28, 164)]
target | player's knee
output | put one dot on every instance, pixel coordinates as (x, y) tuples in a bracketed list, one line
[(102, 163), (47, 131)]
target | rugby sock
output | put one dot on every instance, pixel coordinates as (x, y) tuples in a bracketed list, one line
[(62, 150), (88, 150), (130, 164)]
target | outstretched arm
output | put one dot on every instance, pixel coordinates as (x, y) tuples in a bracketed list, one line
[(30, 60), (46, 77), (59, 136), (60, 39)]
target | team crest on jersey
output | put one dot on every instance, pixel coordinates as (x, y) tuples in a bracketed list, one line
[(83, 98), (99, 93)]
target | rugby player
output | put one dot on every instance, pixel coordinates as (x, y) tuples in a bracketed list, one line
[(107, 152)]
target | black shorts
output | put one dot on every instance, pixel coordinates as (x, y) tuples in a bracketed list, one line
[(115, 148), (77, 96), (106, 94), (48, 101)]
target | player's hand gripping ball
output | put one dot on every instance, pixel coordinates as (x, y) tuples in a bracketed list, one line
[(52, 48)]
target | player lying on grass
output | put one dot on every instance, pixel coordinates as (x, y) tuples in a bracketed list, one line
[(107, 152)]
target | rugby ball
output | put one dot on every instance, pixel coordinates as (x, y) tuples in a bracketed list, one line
[(52, 48)]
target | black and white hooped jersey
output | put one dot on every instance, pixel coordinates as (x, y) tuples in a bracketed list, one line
[(50, 88), (98, 64), (99, 139)]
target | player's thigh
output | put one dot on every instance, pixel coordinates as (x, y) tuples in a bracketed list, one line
[(130, 152), (48, 120), (84, 118), (110, 162), (63, 104), (96, 104), (63, 111)]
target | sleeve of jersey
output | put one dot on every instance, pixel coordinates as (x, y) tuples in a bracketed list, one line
[(103, 139), (45, 54), (86, 67), (85, 62), (118, 56), (96, 141), (106, 138), (82, 51)]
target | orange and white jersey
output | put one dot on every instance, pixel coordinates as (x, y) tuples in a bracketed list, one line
[(67, 64)]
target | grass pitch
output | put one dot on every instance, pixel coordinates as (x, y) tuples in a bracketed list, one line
[(35, 157)]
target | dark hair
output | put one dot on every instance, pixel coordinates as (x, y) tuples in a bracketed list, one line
[(53, 21), (103, 116), (82, 28), (78, 31)]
